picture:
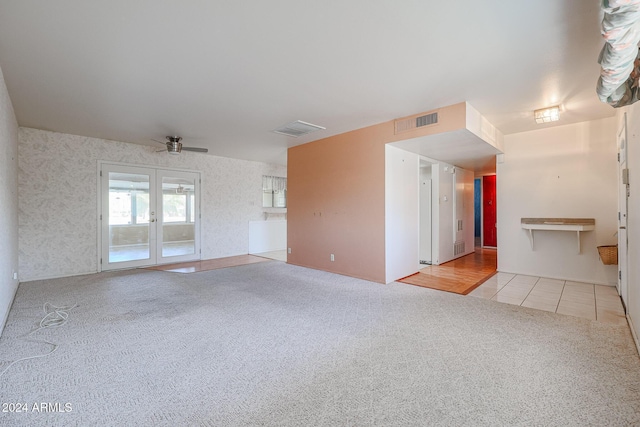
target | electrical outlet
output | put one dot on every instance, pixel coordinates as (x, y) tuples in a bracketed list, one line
[(288, 250), (15, 276), (333, 258)]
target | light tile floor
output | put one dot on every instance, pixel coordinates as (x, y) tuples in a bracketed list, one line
[(595, 302)]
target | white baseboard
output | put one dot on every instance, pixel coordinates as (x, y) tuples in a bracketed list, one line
[(633, 333), (6, 315), (59, 276)]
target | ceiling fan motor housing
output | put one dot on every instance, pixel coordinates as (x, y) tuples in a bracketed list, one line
[(174, 146)]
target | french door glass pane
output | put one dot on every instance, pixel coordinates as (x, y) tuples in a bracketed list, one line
[(142, 207), (128, 217), (178, 219)]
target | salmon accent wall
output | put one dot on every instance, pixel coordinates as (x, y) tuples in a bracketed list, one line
[(336, 197)]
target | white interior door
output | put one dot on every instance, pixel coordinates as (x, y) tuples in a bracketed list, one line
[(623, 196), (425, 221), (426, 212), (148, 216)]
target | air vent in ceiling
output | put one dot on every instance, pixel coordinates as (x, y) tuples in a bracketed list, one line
[(414, 122), (297, 128), (429, 119)]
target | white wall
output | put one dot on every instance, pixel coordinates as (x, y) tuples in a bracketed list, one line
[(8, 202), (58, 200), (402, 213), (478, 125), (633, 219), (565, 171), (267, 236)]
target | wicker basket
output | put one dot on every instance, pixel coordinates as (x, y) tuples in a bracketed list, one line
[(608, 254)]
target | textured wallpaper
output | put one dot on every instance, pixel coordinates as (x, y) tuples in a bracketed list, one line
[(58, 199), (8, 201)]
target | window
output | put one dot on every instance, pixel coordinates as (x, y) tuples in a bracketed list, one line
[(274, 192), (178, 201), (142, 207), (174, 208), (119, 207), (128, 207)]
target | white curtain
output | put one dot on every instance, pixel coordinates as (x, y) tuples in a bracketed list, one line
[(273, 183)]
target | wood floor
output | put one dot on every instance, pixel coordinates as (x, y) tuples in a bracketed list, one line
[(459, 276), (209, 264)]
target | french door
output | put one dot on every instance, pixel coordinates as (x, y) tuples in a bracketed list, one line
[(148, 216)]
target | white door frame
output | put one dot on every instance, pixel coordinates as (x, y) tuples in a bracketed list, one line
[(623, 206), (101, 201)]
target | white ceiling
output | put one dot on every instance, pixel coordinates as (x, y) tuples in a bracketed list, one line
[(223, 74), (460, 148)]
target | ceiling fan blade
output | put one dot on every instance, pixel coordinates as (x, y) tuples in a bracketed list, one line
[(196, 149)]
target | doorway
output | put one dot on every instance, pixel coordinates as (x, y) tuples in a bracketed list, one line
[(148, 216)]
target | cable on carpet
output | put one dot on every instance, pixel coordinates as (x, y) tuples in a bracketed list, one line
[(54, 316)]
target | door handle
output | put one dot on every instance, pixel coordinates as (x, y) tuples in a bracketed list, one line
[(623, 228), (153, 220)]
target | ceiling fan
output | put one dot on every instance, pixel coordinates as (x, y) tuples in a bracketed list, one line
[(174, 146)]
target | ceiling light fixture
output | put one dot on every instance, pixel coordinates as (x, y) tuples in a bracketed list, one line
[(547, 115)]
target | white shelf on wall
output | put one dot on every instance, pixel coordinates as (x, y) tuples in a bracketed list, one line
[(274, 211), (558, 224)]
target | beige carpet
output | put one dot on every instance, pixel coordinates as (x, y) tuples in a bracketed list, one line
[(272, 344)]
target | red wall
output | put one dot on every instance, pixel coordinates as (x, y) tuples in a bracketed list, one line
[(489, 210)]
